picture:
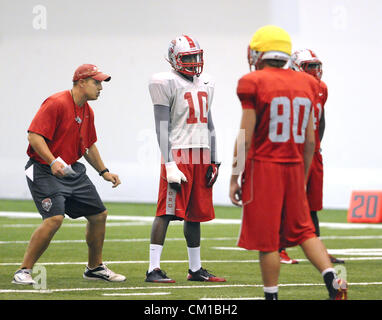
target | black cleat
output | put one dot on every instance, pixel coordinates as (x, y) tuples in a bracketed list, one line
[(335, 260), (203, 275), (158, 276)]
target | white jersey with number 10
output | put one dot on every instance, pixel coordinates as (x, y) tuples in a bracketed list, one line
[(189, 104)]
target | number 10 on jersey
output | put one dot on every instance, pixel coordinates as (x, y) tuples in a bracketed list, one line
[(202, 95)]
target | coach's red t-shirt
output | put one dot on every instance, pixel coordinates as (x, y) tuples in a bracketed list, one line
[(56, 122), (283, 100)]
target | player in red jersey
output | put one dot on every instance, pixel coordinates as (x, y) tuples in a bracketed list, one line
[(277, 142), (306, 60)]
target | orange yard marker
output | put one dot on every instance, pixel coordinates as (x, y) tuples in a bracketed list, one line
[(366, 207)]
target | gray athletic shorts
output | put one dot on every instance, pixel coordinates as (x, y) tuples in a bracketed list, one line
[(73, 195)]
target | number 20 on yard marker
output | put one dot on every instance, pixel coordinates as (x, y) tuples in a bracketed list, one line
[(365, 206)]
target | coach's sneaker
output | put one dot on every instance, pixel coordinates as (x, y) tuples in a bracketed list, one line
[(159, 276), (284, 258), (203, 275), (102, 273), (23, 276), (341, 287)]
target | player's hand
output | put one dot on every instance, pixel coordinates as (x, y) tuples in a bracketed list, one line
[(235, 192), (113, 178), (174, 176), (212, 174), (57, 169)]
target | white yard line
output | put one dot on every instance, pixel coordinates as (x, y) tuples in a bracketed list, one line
[(137, 294), (182, 239), (128, 262), (36, 215), (76, 225), (128, 288), (167, 287), (350, 237), (350, 226), (229, 248), (375, 252), (357, 251), (332, 225), (183, 261), (119, 240)]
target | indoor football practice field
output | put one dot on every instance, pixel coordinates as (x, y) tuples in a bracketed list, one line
[(126, 251)]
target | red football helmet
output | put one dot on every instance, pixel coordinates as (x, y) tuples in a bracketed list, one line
[(185, 56), (306, 60)]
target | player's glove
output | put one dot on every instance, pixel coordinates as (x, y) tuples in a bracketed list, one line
[(212, 173), (174, 175)]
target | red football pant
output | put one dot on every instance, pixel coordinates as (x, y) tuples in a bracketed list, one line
[(315, 183), (194, 201), (275, 209)]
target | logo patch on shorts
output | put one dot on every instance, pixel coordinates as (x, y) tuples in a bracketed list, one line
[(46, 204)]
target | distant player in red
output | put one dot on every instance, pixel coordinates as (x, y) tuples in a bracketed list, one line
[(277, 142), (307, 61)]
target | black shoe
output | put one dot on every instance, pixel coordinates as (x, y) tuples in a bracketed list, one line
[(203, 275), (335, 260), (159, 276), (341, 292)]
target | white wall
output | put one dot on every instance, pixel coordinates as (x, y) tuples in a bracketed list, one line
[(129, 40)]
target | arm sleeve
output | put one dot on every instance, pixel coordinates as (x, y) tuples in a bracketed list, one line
[(212, 134), (162, 129)]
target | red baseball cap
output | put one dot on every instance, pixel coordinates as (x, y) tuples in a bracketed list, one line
[(90, 70)]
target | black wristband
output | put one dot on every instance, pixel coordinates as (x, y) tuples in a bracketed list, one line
[(104, 171)]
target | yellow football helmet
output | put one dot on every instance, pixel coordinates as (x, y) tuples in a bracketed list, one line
[(269, 42)]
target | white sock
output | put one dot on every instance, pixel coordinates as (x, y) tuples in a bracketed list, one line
[(274, 289), (194, 259), (328, 270), (155, 253)]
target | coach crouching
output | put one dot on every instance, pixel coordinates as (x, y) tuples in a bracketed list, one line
[(62, 132)]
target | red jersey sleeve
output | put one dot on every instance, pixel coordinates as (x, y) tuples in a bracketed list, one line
[(246, 90), (325, 93), (323, 89), (46, 118)]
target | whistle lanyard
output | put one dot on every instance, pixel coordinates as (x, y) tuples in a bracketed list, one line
[(79, 122)]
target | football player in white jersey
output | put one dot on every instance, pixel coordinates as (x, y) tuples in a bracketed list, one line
[(182, 101)]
